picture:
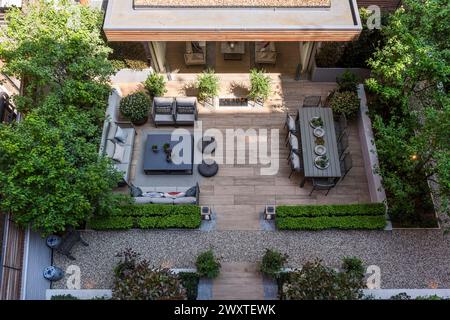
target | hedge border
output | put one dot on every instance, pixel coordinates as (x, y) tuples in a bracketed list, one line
[(333, 222), (367, 209)]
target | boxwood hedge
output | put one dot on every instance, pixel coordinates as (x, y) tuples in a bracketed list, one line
[(319, 217), (150, 216)]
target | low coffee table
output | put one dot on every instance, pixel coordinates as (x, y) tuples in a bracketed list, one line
[(208, 170), (156, 162)]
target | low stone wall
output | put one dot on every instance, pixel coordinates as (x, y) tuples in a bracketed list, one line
[(330, 74), (369, 150)]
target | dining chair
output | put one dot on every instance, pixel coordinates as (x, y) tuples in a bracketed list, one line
[(295, 162), (292, 141), (342, 144), (290, 125), (346, 164), (312, 101), (323, 184), (340, 126)]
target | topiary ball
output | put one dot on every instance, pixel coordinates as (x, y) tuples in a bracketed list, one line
[(135, 107)]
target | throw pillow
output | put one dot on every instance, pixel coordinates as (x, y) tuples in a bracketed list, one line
[(191, 192), (163, 110), (174, 194), (152, 194), (110, 148), (121, 135), (135, 191), (185, 110), (118, 153)]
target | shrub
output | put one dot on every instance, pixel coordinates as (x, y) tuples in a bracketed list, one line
[(155, 85), (207, 84), (64, 297), (260, 85), (346, 103), (170, 221), (135, 107), (347, 82), (322, 223), (353, 265), (272, 263), (136, 280), (207, 265), (368, 209), (111, 223), (318, 282), (190, 281), (329, 54)]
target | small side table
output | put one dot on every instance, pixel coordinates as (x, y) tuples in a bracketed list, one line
[(206, 212), (269, 212)]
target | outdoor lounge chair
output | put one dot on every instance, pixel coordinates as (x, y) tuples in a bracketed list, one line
[(163, 111), (290, 125), (185, 110), (195, 53), (265, 52), (295, 162)]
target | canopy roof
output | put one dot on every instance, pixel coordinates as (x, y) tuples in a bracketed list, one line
[(125, 21)]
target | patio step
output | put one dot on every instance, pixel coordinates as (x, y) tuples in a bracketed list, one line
[(238, 281)]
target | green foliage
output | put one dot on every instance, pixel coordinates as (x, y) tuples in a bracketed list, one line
[(207, 265), (346, 103), (155, 85), (50, 173), (260, 85), (353, 265), (135, 107), (323, 223), (347, 82), (318, 282), (410, 76), (272, 263), (149, 216), (368, 209), (56, 46), (129, 55), (190, 280), (207, 84), (135, 279)]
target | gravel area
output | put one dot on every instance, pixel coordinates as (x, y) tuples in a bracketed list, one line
[(407, 258), (233, 3)]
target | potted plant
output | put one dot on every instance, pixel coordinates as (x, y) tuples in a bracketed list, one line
[(166, 147), (346, 103), (260, 86), (208, 86), (316, 122), (207, 265), (155, 85), (155, 148), (135, 107), (320, 141), (272, 263)]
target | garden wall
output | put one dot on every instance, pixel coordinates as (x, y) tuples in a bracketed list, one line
[(369, 150), (330, 74)]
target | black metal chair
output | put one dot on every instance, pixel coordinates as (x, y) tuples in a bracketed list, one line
[(294, 142), (340, 126), (295, 162), (346, 164), (312, 101), (323, 184), (342, 144)]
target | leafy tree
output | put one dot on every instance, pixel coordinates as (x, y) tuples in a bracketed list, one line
[(207, 265), (56, 46), (318, 282), (135, 279), (410, 75), (272, 263), (50, 173)]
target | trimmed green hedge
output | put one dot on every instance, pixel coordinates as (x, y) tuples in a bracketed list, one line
[(319, 217), (368, 209), (322, 223), (190, 282), (150, 216)]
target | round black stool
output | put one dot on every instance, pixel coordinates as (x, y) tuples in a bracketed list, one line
[(208, 170)]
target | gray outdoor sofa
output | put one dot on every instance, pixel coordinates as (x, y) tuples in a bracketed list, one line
[(192, 195), (117, 138), (174, 111)]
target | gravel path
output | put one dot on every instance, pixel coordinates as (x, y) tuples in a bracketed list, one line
[(407, 258)]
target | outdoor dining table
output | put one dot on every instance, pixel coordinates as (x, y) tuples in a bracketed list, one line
[(308, 141)]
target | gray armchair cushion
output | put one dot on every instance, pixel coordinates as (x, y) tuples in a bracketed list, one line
[(185, 200), (185, 109), (110, 148), (164, 118), (185, 118), (162, 200), (163, 109), (112, 131)]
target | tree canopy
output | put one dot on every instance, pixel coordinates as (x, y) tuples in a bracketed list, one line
[(411, 76)]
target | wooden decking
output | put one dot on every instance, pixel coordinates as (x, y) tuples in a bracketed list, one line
[(239, 192)]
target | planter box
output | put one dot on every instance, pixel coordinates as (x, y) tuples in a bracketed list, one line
[(330, 74)]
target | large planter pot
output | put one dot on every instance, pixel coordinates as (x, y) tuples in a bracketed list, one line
[(141, 122), (330, 74)]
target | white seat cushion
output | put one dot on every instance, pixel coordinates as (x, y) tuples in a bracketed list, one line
[(291, 124), (185, 200), (295, 161), (293, 141)]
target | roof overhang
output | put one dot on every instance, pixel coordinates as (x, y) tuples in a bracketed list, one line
[(339, 22)]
